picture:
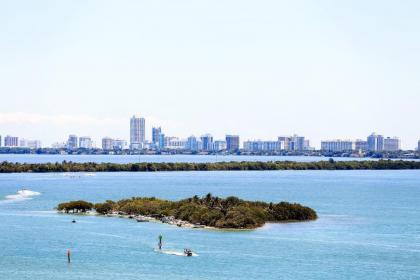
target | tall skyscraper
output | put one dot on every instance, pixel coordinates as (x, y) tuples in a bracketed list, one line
[(232, 143), (207, 142), (155, 135), (11, 141), (137, 132), (0, 140), (418, 146), (192, 144), (375, 142), (297, 143), (72, 142)]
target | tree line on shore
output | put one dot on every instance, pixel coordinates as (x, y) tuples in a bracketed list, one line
[(213, 211), (9, 167)]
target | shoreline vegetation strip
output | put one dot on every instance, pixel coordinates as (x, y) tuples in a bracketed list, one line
[(197, 212), (68, 166)]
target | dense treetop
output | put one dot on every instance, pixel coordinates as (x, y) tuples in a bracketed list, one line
[(230, 212), (8, 167)]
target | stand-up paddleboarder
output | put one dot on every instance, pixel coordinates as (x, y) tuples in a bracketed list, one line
[(68, 256)]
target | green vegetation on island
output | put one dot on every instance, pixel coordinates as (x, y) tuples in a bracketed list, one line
[(211, 211), (8, 167)]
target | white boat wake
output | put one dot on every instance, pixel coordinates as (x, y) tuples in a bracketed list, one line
[(22, 195), (174, 253)]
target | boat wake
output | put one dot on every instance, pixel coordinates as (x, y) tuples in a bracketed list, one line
[(174, 253), (22, 195)]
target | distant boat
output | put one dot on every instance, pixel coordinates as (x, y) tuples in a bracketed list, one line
[(140, 220)]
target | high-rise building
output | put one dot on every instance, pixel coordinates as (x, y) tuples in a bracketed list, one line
[(375, 142), (418, 146), (192, 144), (297, 143), (0, 140), (232, 143), (85, 142), (11, 141), (392, 144), (72, 142), (137, 132), (107, 143), (286, 141), (207, 140), (156, 131), (338, 145), (263, 146), (161, 141)]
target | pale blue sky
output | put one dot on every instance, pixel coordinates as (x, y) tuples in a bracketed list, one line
[(323, 69)]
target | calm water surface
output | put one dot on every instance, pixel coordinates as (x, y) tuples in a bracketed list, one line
[(369, 228)]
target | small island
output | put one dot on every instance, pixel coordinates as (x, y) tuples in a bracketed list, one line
[(197, 212)]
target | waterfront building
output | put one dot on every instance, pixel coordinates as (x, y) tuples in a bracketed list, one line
[(297, 143), (31, 144), (338, 145), (375, 142), (392, 144), (207, 142), (219, 145), (361, 145), (72, 142), (156, 131), (263, 146), (0, 140), (107, 143), (285, 140), (11, 141), (161, 141), (174, 143), (418, 146), (119, 144), (232, 143), (192, 144), (137, 132), (85, 142)]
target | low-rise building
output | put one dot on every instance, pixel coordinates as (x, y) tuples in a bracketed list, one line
[(219, 145), (120, 144), (361, 145)]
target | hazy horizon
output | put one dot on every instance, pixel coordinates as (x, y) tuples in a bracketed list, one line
[(323, 70)]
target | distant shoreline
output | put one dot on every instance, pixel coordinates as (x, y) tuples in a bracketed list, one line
[(8, 167)]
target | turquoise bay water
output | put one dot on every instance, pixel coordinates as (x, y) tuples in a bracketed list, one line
[(369, 228)]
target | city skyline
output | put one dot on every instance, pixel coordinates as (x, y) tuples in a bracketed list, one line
[(235, 67), (158, 140)]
